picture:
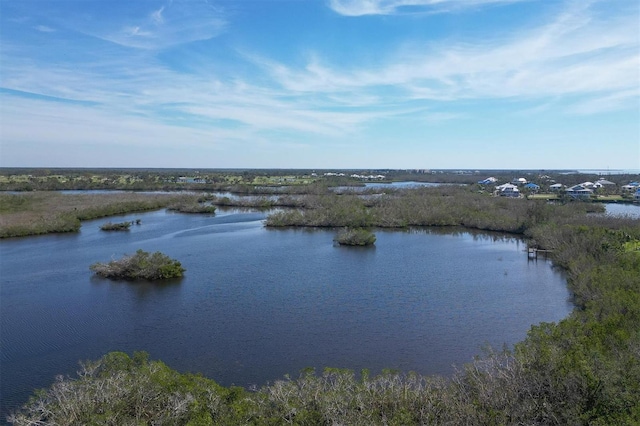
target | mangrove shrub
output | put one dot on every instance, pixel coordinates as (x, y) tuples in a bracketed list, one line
[(141, 265), (355, 237)]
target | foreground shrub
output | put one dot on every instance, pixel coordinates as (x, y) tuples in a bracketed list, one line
[(123, 390), (355, 237), (142, 265)]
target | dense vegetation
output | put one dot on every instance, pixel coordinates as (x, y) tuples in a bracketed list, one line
[(140, 266), (119, 226), (33, 213), (583, 370), (264, 181), (192, 207), (355, 237), (440, 206)]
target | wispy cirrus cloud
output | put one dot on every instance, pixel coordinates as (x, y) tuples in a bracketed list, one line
[(174, 23), (389, 7), (577, 54), (570, 58), (45, 29), (150, 25)]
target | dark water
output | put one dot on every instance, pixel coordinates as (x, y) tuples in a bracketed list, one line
[(257, 303)]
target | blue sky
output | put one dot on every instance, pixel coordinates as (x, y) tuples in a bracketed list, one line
[(480, 84)]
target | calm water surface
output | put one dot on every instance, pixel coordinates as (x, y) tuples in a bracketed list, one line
[(622, 209), (258, 303)]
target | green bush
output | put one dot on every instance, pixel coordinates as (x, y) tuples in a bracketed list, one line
[(355, 237), (192, 207), (121, 226), (142, 265)]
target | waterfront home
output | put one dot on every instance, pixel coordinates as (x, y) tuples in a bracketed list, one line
[(579, 191), (508, 190), (632, 186), (605, 186), (556, 187), (487, 181), (602, 183), (532, 187)]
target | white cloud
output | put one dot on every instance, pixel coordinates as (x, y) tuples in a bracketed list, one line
[(156, 16), (174, 23), (577, 54), (578, 62), (389, 7), (45, 29)]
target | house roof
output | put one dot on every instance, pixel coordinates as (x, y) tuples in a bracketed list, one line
[(580, 188)]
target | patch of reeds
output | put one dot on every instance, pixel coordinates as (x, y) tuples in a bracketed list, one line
[(120, 226), (193, 207)]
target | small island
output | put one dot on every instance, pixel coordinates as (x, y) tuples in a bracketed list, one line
[(192, 207), (140, 266), (355, 237), (120, 226)]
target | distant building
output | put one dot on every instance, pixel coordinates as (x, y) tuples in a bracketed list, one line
[(519, 181), (532, 187), (579, 191), (556, 187), (603, 183), (508, 190), (487, 181)]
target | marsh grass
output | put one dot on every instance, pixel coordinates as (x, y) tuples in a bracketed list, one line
[(120, 226), (33, 213), (192, 207)]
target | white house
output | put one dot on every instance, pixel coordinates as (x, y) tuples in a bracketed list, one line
[(556, 187), (602, 183), (508, 190), (519, 181), (579, 191), (487, 181)]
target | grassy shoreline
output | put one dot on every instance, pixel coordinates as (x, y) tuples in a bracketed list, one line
[(36, 213)]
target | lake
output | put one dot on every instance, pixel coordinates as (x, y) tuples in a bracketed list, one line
[(258, 303)]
